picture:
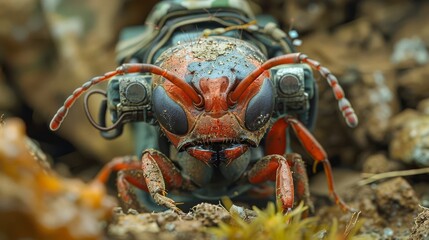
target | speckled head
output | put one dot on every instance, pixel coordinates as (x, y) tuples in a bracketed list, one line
[(213, 66)]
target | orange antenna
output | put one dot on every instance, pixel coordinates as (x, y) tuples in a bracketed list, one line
[(123, 69), (343, 104)]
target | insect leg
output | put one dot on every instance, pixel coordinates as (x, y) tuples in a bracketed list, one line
[(276, 138), (125, 180), (117, 164), (316, 151), (129, 174), (275, 168), (159, 171), (300, 179)]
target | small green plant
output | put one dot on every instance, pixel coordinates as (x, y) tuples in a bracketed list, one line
[(273, 224)]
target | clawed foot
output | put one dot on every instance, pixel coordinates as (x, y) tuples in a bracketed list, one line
[(168, 202)]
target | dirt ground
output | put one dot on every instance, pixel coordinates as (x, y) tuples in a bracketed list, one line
[(377, 49)]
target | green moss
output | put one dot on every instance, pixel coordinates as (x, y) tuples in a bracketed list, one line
[(272, 224)]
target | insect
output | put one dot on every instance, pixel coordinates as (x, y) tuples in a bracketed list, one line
[(224, 90)]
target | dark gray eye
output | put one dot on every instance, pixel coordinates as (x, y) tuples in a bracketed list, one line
[(169, 114), (260, 107)]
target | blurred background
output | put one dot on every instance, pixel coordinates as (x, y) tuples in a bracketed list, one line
[(377, 49), (49, 48)]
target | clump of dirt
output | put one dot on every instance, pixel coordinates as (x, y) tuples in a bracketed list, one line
[(420, 230), (168, 224), (379, 163), (387, 209), (210, 215), (411, 141), (395, 198)]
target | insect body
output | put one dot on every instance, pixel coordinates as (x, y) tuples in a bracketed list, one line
[(224, 99)]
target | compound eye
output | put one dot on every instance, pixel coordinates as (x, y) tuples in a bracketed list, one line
[(168, 113), (260, 107)]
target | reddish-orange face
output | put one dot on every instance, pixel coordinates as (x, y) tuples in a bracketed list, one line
[(213, 67)]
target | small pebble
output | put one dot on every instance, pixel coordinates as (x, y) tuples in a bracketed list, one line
[(388, 232), (297, 42), (132, 211), (293, 34), (170, 227)]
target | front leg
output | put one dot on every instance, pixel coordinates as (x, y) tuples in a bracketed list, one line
[(300, 179), (275, 168), (158, 173), (316, 151), (276, 144)]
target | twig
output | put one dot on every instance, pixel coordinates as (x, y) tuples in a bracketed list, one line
[(351, 224), (379, 176)]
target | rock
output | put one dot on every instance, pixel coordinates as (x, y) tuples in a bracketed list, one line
[(410, 143), (396, 197), (423, 106), (377, 104), (410, 52), (420, 230), (244, 213), (413, 86), (386, 208), (399, 120), (379, 163)]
